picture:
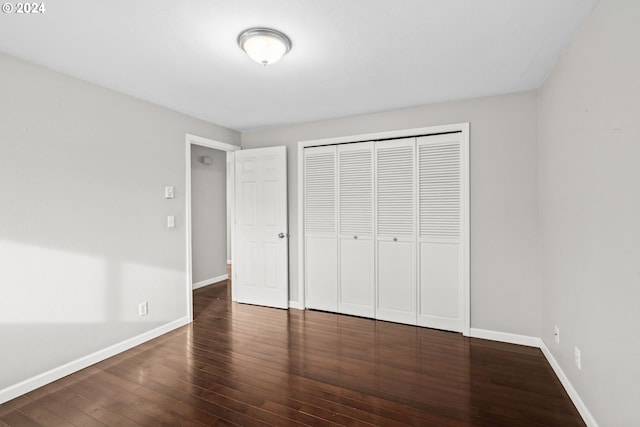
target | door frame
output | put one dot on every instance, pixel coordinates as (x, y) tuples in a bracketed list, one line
[(463, 128), (216, 145)]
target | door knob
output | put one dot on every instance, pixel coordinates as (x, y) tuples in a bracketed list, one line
[(281, 236)]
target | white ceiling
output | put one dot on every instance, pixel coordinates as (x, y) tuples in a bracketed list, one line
[(349, 56)]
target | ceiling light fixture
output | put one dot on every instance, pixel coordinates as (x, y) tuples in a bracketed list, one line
[(264, 45)]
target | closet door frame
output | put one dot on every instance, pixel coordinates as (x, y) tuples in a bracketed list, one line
[(463, 128)]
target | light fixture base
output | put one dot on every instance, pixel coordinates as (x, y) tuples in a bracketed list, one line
[(264, 45)]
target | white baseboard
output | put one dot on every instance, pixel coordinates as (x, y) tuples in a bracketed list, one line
[(54, 374), (211, 281), (573, 394), (505, 337), (539, 343), (296, 304)]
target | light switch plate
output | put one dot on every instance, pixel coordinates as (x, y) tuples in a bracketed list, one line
[(168, 192), (143, 309), (171, 221)]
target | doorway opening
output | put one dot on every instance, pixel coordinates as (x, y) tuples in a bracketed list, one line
[(200, 154)]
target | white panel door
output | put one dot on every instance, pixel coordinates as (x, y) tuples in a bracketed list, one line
[(441, 211), (355, 220), (261, 263), (320, 218), (396, 230)]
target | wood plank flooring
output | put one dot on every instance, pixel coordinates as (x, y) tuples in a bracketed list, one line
[(254, 366)]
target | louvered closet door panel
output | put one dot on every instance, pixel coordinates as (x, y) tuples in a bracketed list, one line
[(356, 188), (395, 226), (321, 228), (355, 219), (320, 190), (395, 188), (440, 223)]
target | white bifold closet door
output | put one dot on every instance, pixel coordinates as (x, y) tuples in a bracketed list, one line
[(395, 230), (355, 221), (441, 207), (386, 228), (320, 214)]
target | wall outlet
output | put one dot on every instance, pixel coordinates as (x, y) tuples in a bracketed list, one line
[(556, 334), (143, 309), (576, 356)]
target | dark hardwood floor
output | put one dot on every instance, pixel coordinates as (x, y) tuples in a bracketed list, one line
[(253, 366)]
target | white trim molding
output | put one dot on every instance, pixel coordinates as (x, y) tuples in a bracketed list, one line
[(210, 143), (55, 374), (571, 391), (212, 281), (298, 305), (505, 337)]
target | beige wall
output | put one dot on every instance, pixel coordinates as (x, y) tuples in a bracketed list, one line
[(83, 237), (505, 290), (590, 211)]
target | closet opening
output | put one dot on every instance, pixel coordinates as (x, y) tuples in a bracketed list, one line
[(384, 226)]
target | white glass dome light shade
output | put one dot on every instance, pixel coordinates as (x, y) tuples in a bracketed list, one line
[(264, 45), (264, 49)]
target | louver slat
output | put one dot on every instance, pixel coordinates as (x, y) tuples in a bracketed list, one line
[(356, 191), (320, 191), (394, 179), (440, 190)]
